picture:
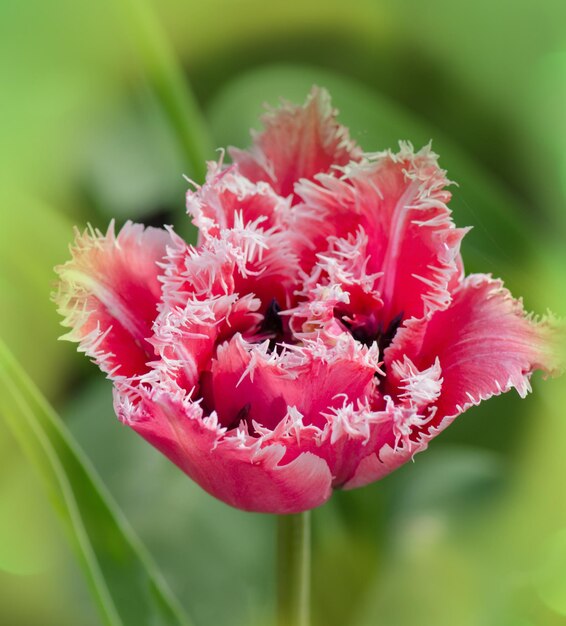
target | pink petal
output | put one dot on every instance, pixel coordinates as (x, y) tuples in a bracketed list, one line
[(109, 292), (247, 478), (243, 259), (353, 431), (245, 377), (405, 428), (339, 288), (186, 337), (485, 344), (228, 197), (406, 432), (379, 464), (298, 142), (482, 345), (400, 201)]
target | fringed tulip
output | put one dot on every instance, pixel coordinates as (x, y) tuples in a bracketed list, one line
[(322, 331)]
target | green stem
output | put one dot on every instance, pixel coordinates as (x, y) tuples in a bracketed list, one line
[(293, 569), (170, 85)]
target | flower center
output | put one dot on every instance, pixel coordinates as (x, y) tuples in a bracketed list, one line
[(272, 324), (275, 327), (242, 415), (368, 329)]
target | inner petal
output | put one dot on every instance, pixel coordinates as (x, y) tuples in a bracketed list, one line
[(248, 382)]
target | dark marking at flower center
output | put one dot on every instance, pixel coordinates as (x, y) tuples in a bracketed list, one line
[(242, 415), (373, 331), (386, 337), (272, 324)]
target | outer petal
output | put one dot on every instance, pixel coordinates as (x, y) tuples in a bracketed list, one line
[(109, 292), (378, 464), (400, 201), (481, 346), (485, 343), (403, 431), (352, 431), (298, 142), (252, 479)]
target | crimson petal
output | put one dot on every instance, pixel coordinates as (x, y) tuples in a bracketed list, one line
[(109, 292), (298, 142)]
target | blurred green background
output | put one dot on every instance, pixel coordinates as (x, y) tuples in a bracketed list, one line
[(474, 532)]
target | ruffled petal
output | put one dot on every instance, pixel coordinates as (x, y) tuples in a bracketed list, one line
[(377, 465), (339, 294), (249, 478), (482, 345), (405, 428), (484, 342), (228, 198), (109, 292), (352, 431), (243, 259), (250, 383), (400, 202), (186, 337), (298, 142)]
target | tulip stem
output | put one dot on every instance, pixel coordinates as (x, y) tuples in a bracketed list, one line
[(293, 569)]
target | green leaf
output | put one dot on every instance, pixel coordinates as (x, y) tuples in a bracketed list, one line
[(165, 75), (502, 234), (125, 583), (199, 527)]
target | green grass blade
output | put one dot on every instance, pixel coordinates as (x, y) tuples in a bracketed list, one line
[(166, 78), (127, 587)]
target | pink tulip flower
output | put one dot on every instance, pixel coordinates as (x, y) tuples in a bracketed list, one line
[(322, 331)]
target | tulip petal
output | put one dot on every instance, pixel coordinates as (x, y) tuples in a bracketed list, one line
[(339, 293), (252, 479), (485, 344), (108, 294), (185, 337), (379, 464), (228, 196), (298, 142), (244, 259), (351, 432), (400, 434), (266, 384), (400, 202)]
